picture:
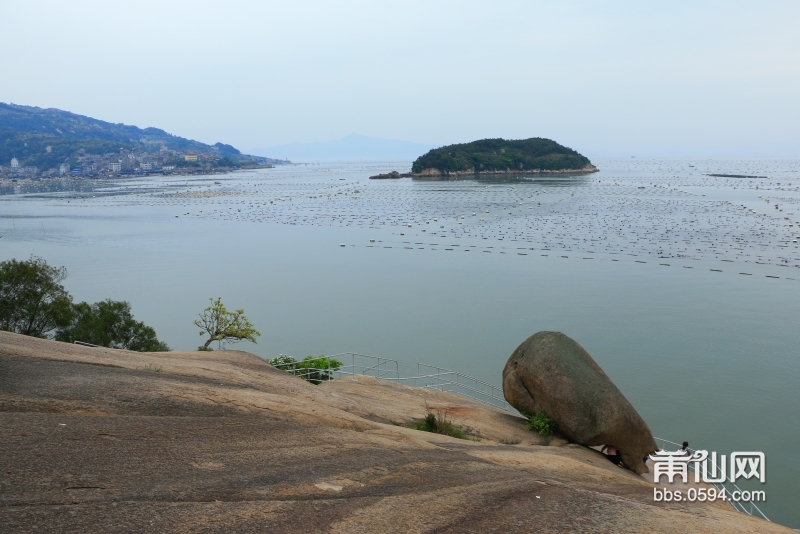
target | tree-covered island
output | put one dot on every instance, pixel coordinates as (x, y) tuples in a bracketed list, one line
[(501, 156)]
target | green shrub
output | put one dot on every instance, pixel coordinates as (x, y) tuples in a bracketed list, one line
[(283, 362), (542, 423), (315, 369)]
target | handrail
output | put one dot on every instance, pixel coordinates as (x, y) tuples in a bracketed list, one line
[(85, 344), (452, 381), (442, 379)]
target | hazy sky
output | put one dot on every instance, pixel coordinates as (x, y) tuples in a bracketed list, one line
[(611, 78)]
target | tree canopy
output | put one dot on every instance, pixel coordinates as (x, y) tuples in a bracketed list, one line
[(220, 324), (535, 154), (34, 303), (32, 300), (111, 324)]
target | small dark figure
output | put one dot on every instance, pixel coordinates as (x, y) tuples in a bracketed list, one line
[(612, 454), (644, 460), (685, 449)]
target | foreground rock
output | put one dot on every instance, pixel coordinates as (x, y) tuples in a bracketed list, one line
[(100, 440), (552, 373)]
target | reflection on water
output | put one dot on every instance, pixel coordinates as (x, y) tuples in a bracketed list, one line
[(549, 180), (80, 188)]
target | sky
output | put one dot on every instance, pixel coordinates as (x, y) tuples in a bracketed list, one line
[(717, 79)]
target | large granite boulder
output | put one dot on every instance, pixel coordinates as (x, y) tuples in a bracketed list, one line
[(552, 373)]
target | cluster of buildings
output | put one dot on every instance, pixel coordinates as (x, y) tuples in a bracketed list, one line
[(16, 169), (115, 163)]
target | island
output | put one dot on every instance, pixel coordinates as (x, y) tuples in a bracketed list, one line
[(501, 156)]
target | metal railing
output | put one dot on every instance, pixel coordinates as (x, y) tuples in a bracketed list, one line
[(85, 344), (728, 487), (351, 364)]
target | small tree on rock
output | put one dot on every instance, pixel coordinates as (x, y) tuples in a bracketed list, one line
[(220, 324)]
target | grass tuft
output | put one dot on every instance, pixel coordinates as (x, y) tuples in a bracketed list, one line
[(438, 423)]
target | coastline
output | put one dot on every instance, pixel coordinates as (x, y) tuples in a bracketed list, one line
[(436, 173), (184, 172)]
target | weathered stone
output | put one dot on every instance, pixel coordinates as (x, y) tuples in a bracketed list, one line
[(552, 373), (389, 176), (94, 441)]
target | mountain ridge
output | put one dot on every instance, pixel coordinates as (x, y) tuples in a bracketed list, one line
[(47, 137)]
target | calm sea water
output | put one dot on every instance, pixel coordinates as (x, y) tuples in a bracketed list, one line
[(639, 263)]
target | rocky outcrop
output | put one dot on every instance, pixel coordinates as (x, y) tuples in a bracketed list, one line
[(103, 440), (389, 176), (434, 173), (431, 172), (552, 373)]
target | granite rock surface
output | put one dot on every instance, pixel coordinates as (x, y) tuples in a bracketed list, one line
[(550, 372), (101, 440)]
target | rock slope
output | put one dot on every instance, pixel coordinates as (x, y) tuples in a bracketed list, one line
[(100, 440)]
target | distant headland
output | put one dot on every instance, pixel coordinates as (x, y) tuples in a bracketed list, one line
[(498, 156), (50, 142)]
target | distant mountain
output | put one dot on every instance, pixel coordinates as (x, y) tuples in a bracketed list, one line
[(351, 147), (46, 138), (492, 156)]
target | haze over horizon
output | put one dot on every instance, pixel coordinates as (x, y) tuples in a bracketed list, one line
[(687, 79)]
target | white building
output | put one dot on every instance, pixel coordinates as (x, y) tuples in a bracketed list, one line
[(14, 163), (146, 166), (63, 169), (115, 167)]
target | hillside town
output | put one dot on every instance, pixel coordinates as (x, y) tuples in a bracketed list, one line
[(127, 162)]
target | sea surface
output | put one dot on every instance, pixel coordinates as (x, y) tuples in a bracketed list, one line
[(683, 287)]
